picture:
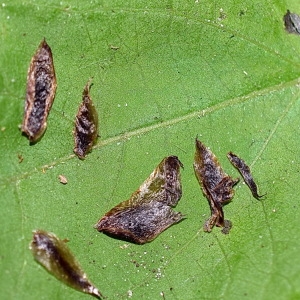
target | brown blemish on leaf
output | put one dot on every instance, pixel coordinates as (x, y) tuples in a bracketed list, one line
[(149, 211), (21, 158), (86, 125), (292, 22), (245, 172), (216, 186), (40, 94), (54, 255)]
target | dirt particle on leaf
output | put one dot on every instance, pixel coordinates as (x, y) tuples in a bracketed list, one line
[(62, 179)]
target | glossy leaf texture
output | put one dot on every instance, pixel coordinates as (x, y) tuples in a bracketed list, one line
[(163, 72)]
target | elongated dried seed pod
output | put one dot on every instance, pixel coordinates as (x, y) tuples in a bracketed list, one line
[(149, 211), (53, 254), (86, 125), (40, 94)]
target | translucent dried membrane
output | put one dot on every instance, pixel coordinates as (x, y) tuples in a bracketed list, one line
[(216, 186), (245, 172), (149, 211), (86, 125), (40, 94), (53, 254), (292, 22)]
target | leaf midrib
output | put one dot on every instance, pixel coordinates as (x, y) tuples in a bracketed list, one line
[(143, 130)]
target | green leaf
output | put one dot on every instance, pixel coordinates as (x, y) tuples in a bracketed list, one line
[(163, 72)]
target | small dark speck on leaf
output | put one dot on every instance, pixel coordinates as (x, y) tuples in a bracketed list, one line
[(241, 13), (21, 158)]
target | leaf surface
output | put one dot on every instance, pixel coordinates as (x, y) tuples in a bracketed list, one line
[(163, 72)]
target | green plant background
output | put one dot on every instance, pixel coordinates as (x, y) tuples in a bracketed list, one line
[(223, 70)]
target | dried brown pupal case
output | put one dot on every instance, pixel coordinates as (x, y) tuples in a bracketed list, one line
[(54, 255), (40, 94), (292, 22), (216, 186), (149, 211), (86, 125), (244, 170)]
